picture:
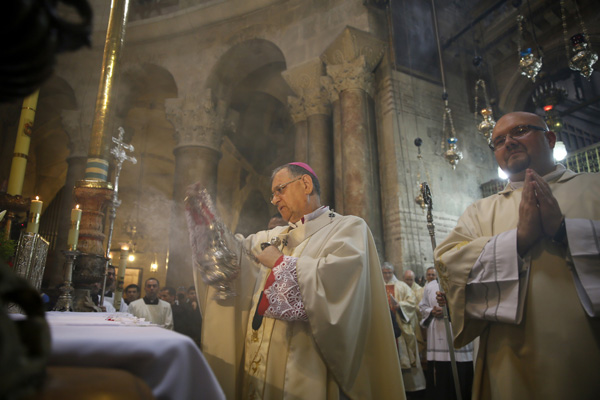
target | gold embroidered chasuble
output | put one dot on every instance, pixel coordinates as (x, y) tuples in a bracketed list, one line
[(554, 351), (348, 341)]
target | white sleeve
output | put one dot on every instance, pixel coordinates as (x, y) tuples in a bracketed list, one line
[(168, 317), (109, 307), (584, 246), (497, 284), (425, 308)]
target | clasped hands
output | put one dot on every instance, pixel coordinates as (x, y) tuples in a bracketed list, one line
[(539, 212)]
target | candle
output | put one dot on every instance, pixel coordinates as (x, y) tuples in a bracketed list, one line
[(74, 230), (21, 152), (35, 210)]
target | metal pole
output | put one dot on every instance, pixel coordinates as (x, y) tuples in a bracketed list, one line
[(431, 228), (120, 155)]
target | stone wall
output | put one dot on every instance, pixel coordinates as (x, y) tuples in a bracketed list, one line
[(419, 114)]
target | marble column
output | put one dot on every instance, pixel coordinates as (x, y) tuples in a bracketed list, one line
[(389, 142), (198, 121), (296, 106), (336, 123), (350, 60), (305, 80)]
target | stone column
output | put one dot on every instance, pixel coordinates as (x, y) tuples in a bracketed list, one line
[(305, 80), (78, 134), (336, 118), (198, 123), (389, 142), (296, 106), (350, 60)]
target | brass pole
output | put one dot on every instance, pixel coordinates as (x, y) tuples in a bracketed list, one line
[(98, 155)]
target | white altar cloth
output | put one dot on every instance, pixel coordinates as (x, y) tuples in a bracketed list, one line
[(170, 363)]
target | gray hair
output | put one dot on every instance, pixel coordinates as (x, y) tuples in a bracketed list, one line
[(387, 265), (296, 171)]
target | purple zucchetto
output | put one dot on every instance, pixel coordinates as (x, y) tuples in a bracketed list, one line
[(305, 166)]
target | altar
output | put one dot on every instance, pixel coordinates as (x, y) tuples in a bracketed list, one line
[(170, 363)]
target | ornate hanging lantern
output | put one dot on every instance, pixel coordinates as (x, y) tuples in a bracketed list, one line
[(529, 64), (419, 199), (583, 58), (452, 154), (547, 96), (486, 126)]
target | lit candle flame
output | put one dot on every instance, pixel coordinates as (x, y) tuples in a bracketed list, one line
[(37, 198), (77, 206)]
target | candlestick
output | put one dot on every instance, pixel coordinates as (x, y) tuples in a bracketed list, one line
[(74, 230), (34, 215), (65, 301), (121, 277)]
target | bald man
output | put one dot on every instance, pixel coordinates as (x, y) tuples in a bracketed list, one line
[(521, 270)]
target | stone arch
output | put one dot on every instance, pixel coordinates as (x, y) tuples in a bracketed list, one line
[(247, 77), (146, 188)]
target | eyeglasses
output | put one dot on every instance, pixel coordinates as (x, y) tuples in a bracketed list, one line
[(279, 189), (516, 132)]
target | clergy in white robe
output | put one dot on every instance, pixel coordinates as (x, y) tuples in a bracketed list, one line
[(151, 308), (310, 320), (439, 370), (522, 270), (403, 302)]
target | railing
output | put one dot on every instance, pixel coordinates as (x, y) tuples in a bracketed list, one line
[(584, 160)]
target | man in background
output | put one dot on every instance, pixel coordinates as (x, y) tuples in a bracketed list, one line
[(430, 274), (403, 303), (151, 308)]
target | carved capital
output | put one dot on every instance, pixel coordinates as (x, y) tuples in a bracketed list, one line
[(352, 44), (198, 119), (77, 131), (316, 101), (332, 93), (296, 106), (305, 81), (352, 75), (305, 76)]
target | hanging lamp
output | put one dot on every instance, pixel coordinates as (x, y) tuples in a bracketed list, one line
[(486, 126), (449, 143), (529, 64), (583, 58)]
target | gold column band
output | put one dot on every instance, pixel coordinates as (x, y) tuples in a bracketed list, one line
[(25, 156)]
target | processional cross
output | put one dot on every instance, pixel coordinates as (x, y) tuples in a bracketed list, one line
[(119, 152)]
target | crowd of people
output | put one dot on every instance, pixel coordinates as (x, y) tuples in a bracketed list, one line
[(164, 306)]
